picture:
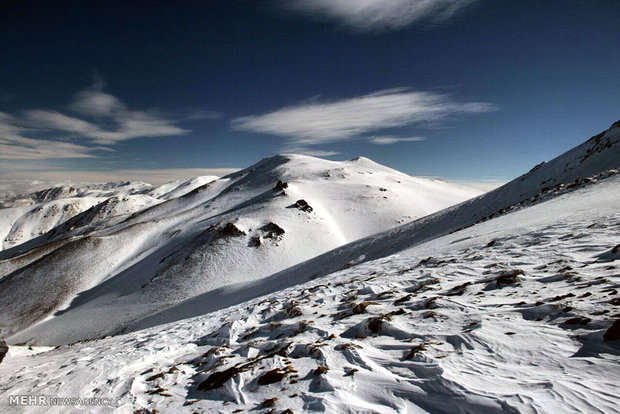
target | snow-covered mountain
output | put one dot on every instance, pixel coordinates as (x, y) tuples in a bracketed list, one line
[(141, 251), (595, 160), (27, 216), (505, 303)]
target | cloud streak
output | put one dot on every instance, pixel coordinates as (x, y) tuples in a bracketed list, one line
[(327, 122), (388, 140), (15, 146), (95, 121), (379, 15)]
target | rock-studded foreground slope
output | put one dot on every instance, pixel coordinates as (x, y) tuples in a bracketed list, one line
[(518, 313)]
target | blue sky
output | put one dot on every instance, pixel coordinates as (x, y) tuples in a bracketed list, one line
[(471, 90)]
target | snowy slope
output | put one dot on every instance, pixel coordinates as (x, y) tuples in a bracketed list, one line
[(513, 314), (106, 268), (597, 159)]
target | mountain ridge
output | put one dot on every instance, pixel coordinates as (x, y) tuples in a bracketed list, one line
[(278, 212)]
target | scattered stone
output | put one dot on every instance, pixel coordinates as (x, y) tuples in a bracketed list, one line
[(458, 290), (269, 402), (281, 185), (375, 324), (413, 351), (509, 277), (560, 297), (273, 230), (578, 321), (231, 230), (430, 303), (293, 310), (361, 307), (271, 377), (349, 372), (429, 314), (402, 300), (156, 376), (4, 348), (613, 333), (303, 206), (320, 370), (218, 379)]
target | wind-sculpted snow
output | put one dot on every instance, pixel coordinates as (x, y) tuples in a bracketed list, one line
[(514, 314), (134, 254)]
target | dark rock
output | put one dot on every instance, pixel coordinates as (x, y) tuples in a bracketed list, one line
[(350, 372), (402, 300), (303, 205), (320, 370), (256, 241), (293, 310), (281, 185), (269, 402), (231, 230), (613, 333), (509, 277), (218, 379), (458, 290), (273, 229), (577, 321), (271, 377), (412, 353), (361, 307), (375, 324), (156, 376), (4, 348)]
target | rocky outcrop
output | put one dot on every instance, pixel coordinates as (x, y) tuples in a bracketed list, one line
[(4, 348)]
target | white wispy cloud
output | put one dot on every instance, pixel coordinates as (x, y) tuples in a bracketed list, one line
[(379, 15), (316, 122), (309, 151), (94, 120), (15, 146), (388, 140)]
